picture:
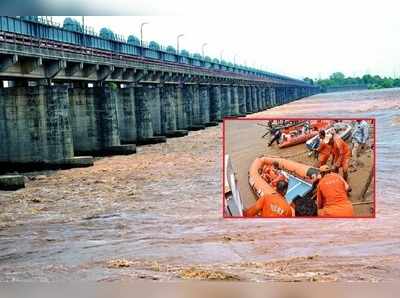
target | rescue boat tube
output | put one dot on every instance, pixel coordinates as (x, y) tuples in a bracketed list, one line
[(315, 126), (289, 128), (298, 139), (261, 187)]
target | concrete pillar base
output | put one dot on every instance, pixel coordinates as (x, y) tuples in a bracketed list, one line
[(176, 133), (79, 162), (211, 123), (112, 150), (122, 149), (12, 182), (196, 127), (152, 140)]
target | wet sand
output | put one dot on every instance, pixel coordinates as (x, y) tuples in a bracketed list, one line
[(244, 143), (159, 213)]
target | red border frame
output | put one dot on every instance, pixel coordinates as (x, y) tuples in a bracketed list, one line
[(294, 118)]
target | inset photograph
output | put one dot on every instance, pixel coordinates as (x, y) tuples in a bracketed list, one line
[(299, 168)]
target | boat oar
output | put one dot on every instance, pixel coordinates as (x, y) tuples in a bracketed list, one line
[(366, 186), (362, 203)]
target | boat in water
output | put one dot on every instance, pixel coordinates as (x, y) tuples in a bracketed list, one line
[(300, 177)]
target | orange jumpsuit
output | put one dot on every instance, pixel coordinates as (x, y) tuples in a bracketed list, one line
[(341, 153), (271, 205), (325, 151), (332, 197), (269, 173)]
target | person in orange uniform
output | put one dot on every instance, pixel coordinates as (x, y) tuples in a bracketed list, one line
[(272, 205), (332, 199), (272, 174), (341, 154), (269, 172), (324, 150)]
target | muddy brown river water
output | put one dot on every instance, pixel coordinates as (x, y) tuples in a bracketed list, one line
[(157, 215)]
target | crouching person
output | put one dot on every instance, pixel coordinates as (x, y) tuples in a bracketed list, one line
[(332, 199), (272, 205)]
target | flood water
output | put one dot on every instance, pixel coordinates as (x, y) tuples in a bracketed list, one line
[(163, 206)]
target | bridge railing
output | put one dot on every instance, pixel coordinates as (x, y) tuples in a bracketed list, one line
[(44, 28)]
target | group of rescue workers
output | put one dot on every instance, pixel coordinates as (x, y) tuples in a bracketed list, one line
[(332, 189)]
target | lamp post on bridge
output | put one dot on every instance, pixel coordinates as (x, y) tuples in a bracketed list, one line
[(141, 36), (177, 42), (202, 48)]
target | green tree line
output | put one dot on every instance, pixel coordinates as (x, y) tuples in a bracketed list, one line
[(372, 82)]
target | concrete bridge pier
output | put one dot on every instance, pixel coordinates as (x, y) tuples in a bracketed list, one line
[(242, 100), (254, 99), (215, 104), (284, 95), (261, 99), (144, 116), (126, 115), (288, 94), (95, 129), (234, 101), (226, 100), (278, 96), (292, 94), (304, 92), (267, 98), (296, 93), (249, 101), (204, 97), (181, 121), (153, 96), (272, 96), (169, 111), (35, 129), (187, 104), (196, 109), (192, 106)]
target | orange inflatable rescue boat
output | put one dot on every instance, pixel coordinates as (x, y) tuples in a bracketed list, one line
[(298, 135), (300, 177)]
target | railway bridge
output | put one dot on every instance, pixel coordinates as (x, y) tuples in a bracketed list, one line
[(66, 92)]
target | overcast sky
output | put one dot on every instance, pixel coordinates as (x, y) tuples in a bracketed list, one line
[(296, 38)]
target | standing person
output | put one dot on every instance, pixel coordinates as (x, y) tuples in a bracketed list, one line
[(332, 199), (276, 135), (359, 138), (324, 150), (272, 205), (306, 127), (341, 154)]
